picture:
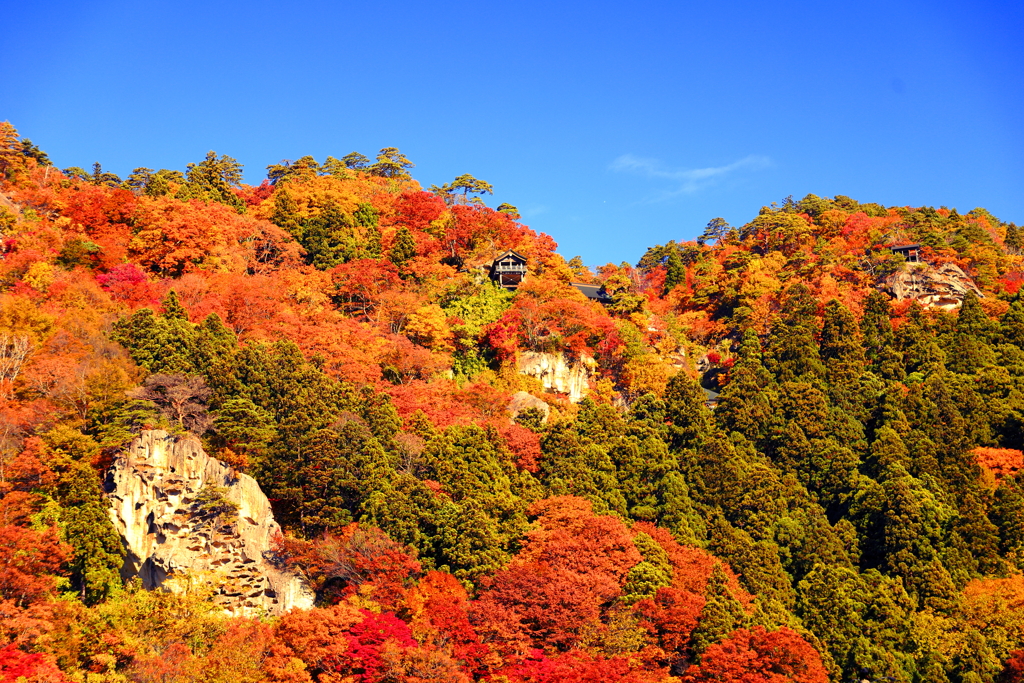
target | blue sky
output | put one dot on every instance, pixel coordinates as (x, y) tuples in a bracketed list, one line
[(612, 126)]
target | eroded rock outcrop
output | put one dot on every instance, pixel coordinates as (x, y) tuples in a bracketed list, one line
[(522, 400), (942, 286), (180, 510), (556, 373)]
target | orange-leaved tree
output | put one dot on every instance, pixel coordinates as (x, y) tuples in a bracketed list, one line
[(760, 656)]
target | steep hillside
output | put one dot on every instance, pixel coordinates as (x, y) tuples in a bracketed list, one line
[(753, 456)]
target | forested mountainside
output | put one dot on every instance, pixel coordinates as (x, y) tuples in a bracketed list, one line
[(849, 507)]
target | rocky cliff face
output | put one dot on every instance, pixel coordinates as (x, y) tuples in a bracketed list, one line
[(558, 374), (180, 510), (942, 287)]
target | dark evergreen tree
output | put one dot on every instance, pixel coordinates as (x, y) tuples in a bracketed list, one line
[(1011, 325), (84, 518), (675, 270), (242, 426), (969, 349), (879, 339), (337, 470), (574, 465), (642, 461), (746, 405), (832, 605), (887, 451), (159, 344), (214, 345), (173, 310), (913, 528), (678, 511), (841, 348), (690, 420), (722, 613), (404, 248), (919, 346), (1008, 515), (408, 511), (329, 238), (475, 531), (213, 179), (806, 539), (286, 213), (792, 352), (470, 541), (980, 535), (652, 573), (757, 562)]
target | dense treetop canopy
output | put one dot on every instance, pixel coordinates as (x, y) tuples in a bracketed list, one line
[(849, 507)]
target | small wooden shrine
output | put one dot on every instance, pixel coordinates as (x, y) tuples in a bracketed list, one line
[(509, 270), (911, 253)]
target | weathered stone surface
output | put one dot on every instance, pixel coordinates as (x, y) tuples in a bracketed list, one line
[(522, 400), (942, 287), (153, 489), (558, 374)]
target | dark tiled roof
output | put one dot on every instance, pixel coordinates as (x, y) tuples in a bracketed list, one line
[(592, 291)]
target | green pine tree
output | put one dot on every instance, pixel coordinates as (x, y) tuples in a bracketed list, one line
[(404, 248), (722, 613), (647, 576), (675, 271)]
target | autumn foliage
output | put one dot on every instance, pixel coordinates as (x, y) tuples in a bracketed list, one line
[(1001, 462), (779, 472), (758, 656)]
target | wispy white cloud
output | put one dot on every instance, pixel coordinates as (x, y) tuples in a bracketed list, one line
[(685, 180)]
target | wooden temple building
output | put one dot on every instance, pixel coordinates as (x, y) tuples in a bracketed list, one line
[(911, 253), (509, 271)]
